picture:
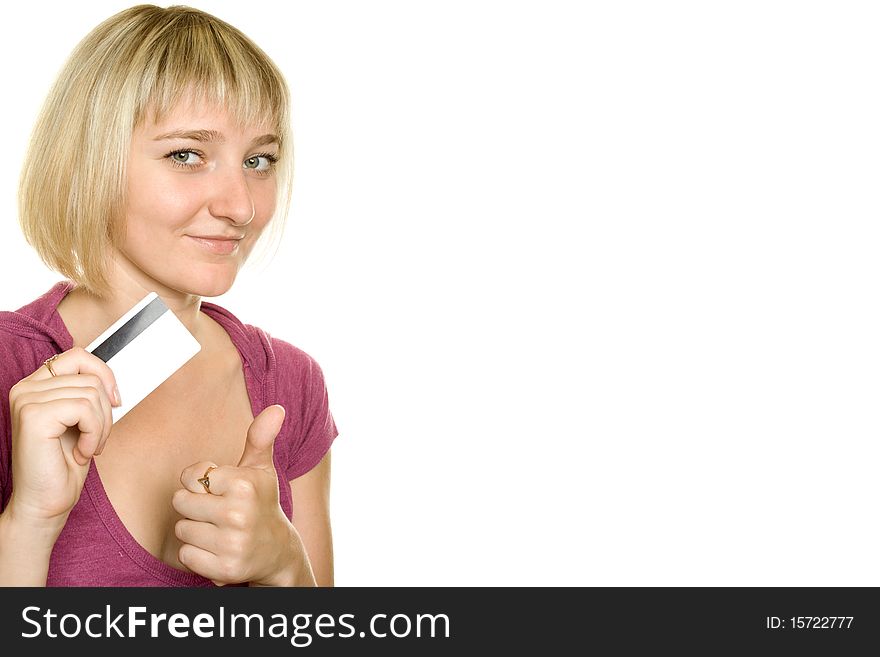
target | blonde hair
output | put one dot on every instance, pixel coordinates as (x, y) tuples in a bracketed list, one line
[(72, 198)]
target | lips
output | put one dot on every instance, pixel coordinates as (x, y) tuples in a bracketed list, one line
[(220, 246)]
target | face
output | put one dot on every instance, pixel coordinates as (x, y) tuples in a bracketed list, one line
[(193, 177)]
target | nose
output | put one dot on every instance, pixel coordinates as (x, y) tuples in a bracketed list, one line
[(231, 197)]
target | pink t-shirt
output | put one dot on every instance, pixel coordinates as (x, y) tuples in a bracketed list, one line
[(95, 548)]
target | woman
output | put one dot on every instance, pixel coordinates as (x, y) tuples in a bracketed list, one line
[(156, 164)]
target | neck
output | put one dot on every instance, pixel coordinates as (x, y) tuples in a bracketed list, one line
[(130, 285)]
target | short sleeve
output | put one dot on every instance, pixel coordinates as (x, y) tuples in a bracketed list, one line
[(9, 375), (5, 440), (309, 424)]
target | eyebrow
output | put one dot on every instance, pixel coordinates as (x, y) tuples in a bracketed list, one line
[(214, 136)]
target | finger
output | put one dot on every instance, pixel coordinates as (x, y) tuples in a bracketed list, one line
[(107, 416), (67, 381), (53, 417), (190, 476), (204, 535), (81, 381), (78, 361), (224, 480), (198, 506), (259, 444), (97, 397), (202, 562), (108, 421)]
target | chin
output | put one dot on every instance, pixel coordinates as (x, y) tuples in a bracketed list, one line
[(207, 286), (213, 290)]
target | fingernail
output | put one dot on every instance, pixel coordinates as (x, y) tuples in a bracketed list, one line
[(116, 397)]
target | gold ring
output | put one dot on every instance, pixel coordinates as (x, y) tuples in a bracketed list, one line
[(48, 364), (205, 481)]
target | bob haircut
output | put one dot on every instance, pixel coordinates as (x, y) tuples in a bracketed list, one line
[(146, 58)]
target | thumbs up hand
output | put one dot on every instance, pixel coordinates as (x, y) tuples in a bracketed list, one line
[(233, 528)]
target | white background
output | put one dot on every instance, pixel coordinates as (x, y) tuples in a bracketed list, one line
[(593, 285)]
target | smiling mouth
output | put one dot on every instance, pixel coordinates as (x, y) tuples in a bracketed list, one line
[(218, 246)]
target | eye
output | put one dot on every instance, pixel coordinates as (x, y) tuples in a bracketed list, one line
[(182, 159), (253, 162)]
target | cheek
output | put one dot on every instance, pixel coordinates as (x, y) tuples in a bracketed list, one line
[(265, 200), (159, 200)]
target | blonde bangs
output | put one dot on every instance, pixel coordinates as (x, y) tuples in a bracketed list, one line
[(191, 57)]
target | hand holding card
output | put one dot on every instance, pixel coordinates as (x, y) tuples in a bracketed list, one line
[(143, 348)]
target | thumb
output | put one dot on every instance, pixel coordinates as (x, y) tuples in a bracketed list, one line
[(261, 438)]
